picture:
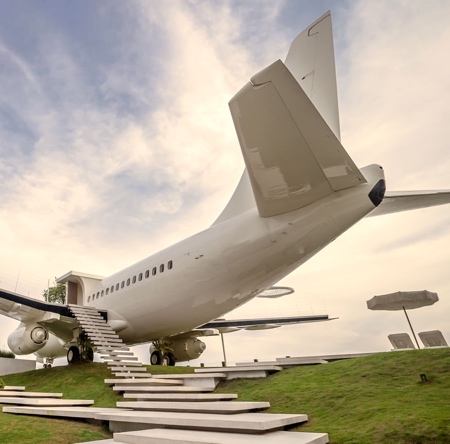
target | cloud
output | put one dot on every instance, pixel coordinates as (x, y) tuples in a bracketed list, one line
[(116, 141)]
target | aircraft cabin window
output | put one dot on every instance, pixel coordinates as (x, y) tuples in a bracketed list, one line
[(98, 294), (134, 279), (89, 298), (161, 268), (128, 282), (170, 265), (102, 292), (117, 287), (122, 284), (112, 289), (140, 276), (107, 291), (154, 271), (147, 274)]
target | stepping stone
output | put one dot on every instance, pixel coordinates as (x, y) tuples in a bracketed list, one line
[(60, 412), (135, 375), (45, 402), (198, 397), (16, 388), (13, 394), (161, 389), (219, 407), (243, 372), (198, 379), (240, 422), (173, 436), (129, 369), (144, 381)]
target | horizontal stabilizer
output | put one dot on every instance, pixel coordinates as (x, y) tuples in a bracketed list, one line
[(292, 156), (397, 201)]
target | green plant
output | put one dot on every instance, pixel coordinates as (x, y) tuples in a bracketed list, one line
[(2, 384), (6, 353)]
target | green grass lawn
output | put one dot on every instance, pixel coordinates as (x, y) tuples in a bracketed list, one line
[(375, 399)]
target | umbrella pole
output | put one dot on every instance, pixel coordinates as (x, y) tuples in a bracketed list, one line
[(410, 326)]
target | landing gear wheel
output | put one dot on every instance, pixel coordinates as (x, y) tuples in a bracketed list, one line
[(156, 358), (73, 355), (90, 354), (170, 359)]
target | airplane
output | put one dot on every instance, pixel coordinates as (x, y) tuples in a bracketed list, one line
[(300, 190)]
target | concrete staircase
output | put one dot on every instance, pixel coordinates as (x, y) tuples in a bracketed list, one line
[(121, 361), (178, 408)]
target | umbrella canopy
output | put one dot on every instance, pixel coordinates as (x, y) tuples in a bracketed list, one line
[(402, 300)]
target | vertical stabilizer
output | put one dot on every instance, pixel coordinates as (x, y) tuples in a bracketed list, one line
[(311, 61)]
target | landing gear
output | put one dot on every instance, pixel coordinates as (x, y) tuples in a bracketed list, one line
[(156, 358), (170, 359), (73, 355), (48, 362), (162, 358)]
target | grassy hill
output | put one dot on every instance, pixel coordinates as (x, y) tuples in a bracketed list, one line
[(376, 399)]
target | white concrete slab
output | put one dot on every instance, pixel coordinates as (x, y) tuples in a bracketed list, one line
[(13, 393), (46, 402), (103, 441), (112, 365), (162, 389), (131, 375), (243, 372), (269, 368), (173, 436), (129, 369), (146, 381), (17, 388), (60, 412), (173, 397), (240, 422), (198, 379), (219, 407)]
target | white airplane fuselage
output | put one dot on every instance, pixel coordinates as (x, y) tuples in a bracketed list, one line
[(219, 269)]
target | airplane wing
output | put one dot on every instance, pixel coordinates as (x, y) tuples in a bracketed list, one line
[(228, 326), (397, 201), (57, 318)]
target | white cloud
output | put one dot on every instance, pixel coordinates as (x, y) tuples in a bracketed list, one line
[(111, 155)]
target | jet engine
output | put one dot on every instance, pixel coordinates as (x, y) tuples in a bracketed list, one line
[(187, 349), (27, 338)]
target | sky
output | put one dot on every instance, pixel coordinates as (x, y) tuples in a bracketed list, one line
[(116, 141)]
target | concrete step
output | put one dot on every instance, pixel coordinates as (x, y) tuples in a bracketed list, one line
[(240, 422), (102, 328), (120, 353), (118, 358), (243, 372), (197, 379), (62, 412), (174, 397), (16, 388), (125, 364), (161, 389), (15, 394), (147, 380), (45, 402), (122, 420), (173, 436), (219, 407), (129, 369), (132, 375)]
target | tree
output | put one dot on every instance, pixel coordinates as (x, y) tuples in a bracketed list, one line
[(55, 294)]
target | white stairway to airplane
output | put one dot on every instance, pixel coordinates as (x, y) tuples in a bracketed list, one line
[(121, 360)]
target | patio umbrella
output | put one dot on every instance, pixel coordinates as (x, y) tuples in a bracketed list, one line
[(402, 300)]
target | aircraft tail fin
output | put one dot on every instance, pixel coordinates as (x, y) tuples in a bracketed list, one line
[(292, 156), (311, 61)]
